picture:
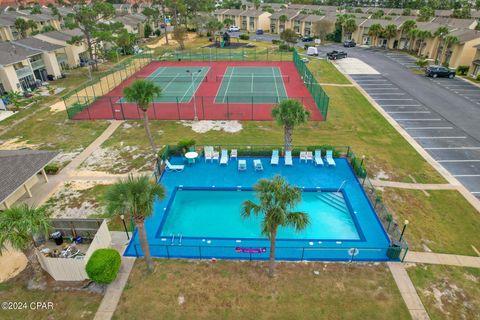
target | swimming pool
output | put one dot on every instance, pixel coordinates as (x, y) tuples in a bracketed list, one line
[(200, 215)]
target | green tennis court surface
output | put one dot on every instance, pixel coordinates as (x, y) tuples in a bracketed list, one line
[(176, 82), (252, 85)]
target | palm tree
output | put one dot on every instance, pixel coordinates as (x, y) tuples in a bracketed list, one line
[(422, 35), (349, 26), (135, 196), (289, 114), (390, 32), (412, 35), (19, 225), (283, 18), (440, 34), (277, 198), (449, 41), (406, 27), (142, 92), (213, 25), (375, 31), (228, 22), (22, 26)]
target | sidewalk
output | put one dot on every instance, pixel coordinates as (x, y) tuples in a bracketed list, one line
[(444, 259), (408, 292), (414, 186)]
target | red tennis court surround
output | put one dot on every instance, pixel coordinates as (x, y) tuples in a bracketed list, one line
[(110, 106)]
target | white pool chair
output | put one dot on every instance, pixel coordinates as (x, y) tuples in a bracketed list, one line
[(288, 158), (224, 157), (257, 164), (174, 167), (242, 165), (329, 158), (318, 158), (274, 160)]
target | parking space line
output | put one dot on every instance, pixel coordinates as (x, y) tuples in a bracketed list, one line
[(396, 99), (466, 160), (387, 93), (466, 175), (408, 112), (401, 105), (429, 128), (413, 119), (439, 137), (453, 148)]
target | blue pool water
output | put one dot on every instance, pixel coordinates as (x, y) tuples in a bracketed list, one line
[(199, 217), (217, 215)]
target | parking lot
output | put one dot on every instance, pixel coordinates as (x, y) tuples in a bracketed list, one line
[(442, 115)]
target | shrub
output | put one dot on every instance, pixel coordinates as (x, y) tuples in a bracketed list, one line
[(52, 168), (244, 36), (478, 77), (277, 41), (103, 266), (462, 70), (284, 47), (422, 63), (184, 144)]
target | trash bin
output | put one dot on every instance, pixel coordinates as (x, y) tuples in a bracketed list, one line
[(393, 252), (57, 237)]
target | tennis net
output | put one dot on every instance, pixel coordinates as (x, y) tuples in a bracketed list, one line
[(176, 78), (254, 78)]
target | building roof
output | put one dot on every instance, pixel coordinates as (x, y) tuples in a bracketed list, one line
[(34, 43), (381, 22), (10, 53), (312, 18), (18, 166), (443, 13), (428, 26), (457, 23), (253, 13), (286, 12), (64, 35), (465, 35), (233, 12)]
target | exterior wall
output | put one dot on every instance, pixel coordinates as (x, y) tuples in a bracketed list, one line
[(264, 21), (74, 269), (463, 55), (72, 51), (474, 70), (51, 64), (21, 191), (9, 78), (6, 34)]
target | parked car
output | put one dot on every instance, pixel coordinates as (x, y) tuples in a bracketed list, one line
[(234, 29), (312, 51), (259, 31), (334, 55), (306, 38), (439, 71), (349, 43)]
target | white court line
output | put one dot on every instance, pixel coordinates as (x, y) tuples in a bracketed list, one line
[(458, 160), (414, 119), (251, 86), (466, 175), (408, 111), (275, 81), (429, 128), (228, 84), (192, 86), (439, 137), (453, 148)]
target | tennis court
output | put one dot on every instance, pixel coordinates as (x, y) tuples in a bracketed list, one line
[(252, 85), (178, 84)]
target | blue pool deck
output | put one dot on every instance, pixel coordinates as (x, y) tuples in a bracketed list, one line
[(371, 245)]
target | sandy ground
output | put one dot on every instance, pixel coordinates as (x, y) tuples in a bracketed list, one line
[(171, 42), (57, 107), (14, 144), (11, 263), (207, 125)]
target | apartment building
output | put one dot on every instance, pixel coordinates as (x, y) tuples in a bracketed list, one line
[(282, 20), (251, 20)]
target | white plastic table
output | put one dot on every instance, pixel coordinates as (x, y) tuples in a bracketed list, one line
[(192, 155)]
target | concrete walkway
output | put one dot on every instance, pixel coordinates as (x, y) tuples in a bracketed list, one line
[(408, 292), (114, 290), (444, 259), (415, 186), (42, 192), (337, 84)]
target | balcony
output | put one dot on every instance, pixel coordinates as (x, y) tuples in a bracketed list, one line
[(37, 64), (23, 72), (61, 58)]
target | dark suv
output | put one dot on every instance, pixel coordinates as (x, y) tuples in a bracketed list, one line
[(439, 71), (349, 43), (334, 55)]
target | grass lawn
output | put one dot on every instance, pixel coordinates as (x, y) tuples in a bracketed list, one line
[(325, 72), (448, 292), (444, 222), (66, 304), (242, 290), (370, 134)]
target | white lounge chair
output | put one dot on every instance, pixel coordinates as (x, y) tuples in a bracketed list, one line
[(257, 164), (274, 160), (208, 156), (288, 158), (215, 155), (208, 152), (308, 156), (242, 165), (174, 167), (224, 157), (233, 154), (303, 156), (329, 158), (318, 158)]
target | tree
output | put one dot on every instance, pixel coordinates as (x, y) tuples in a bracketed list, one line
[(135, 196), (228, 22), (425, 13), (256, 4), (180, 35), (163, 9), (19, 225), (412, 35), (422, 35), (407, 26), (147, 30), (390, 31), (213, 25), (276, 200), (36, 9), (289, 36), (407, 12), (283, 18), (448, 42), (24, 25), (290, 114), (87, 18), (378, 14), (440, 33), (142, 92), (323, 27), (375, 31), (349, 26)]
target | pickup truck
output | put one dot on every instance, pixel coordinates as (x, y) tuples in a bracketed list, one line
[(334, 55)]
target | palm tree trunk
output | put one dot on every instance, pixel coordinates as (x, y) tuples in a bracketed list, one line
[(288, 138), (271, 263), (147, 130), (38, 279), (144, 244)]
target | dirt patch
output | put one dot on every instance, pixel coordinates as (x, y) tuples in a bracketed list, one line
[(206, 125), (57, 107), (16, 143), (162, 42), (12, 262)]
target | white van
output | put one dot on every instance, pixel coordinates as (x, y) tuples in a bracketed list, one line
[(312, 51)]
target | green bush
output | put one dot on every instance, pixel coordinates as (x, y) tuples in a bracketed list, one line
[(184, 144), (52, 168), (284, 47), (277, 41), (103, 266), (422, 63), (359, 168), (244, 36), (462, 70)]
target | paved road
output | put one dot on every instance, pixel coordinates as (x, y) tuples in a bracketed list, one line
[(443, 115)]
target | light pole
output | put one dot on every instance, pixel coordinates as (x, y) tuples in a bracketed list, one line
[(363, 159), (124, 225), (192, 73), (403, 230)]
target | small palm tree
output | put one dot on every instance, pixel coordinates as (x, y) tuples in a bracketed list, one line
[(135, 196), (390, 32), (142, 92), (349, 26), (18, 226), (440, 34), (422, 35), (289, 114), (412, 35), (405, 29), (449, 42), (375, 31), (277, 199)]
